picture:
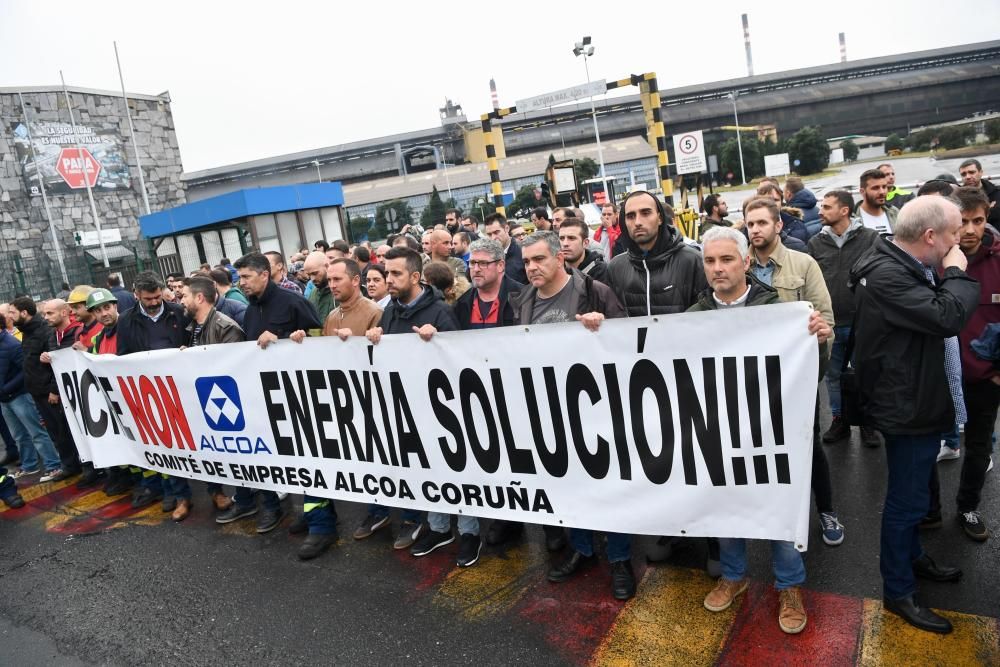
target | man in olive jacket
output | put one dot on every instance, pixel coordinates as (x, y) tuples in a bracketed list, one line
[(904, 314)]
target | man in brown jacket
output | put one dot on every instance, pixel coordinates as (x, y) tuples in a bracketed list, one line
[(208, 327), (355, 315)]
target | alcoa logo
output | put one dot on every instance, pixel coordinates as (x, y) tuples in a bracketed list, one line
[(220, 403)]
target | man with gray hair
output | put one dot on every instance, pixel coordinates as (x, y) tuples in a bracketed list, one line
[(905, 311)]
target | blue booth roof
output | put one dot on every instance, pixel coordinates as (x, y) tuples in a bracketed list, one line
[(239, 204)]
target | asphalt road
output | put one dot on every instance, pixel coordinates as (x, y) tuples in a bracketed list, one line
[(138, 589)]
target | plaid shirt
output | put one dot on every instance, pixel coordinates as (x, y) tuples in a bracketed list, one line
[(290, 285)]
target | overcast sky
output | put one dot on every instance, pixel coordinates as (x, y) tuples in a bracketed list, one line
[(254, 79)]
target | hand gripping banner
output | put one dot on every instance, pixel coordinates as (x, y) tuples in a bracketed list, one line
[(692, 424)]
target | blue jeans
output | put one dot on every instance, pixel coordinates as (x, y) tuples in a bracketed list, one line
[(619, 544), (841, 334), (381, 511), (246, 497), (910, 460), (25, 425), (441, 523), (786, 562), (951, 438), (320, 514)]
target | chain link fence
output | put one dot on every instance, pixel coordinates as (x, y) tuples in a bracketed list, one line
[(41, 278)]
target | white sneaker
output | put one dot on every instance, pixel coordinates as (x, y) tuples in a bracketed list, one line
[(948, 454)]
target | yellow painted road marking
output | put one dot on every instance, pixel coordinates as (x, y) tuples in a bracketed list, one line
[(887, 639), (36, 491), (494, 584), (76, 508), (666, 623), (149, 516)]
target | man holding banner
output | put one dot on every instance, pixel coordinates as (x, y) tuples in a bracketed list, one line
[(556, 295), (727, 260), (274, 313)]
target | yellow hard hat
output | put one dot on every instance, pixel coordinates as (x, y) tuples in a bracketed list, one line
[(79, 294)]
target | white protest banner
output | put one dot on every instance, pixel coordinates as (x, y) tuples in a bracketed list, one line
[(692, 424)]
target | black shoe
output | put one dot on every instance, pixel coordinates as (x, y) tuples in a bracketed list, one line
[(869, 438), (268, 520), (622, 580), (118, 486), (839, 430), (145, 497), (555, 538), (570, 566), (713, 564), (235, 513), (10, 459), (299, 526), (663, 549), (169, 503), (919, 617), (315, 544), (89, 479), (503, 531), (431, 541), (972, 524), (925, 568), (469, 547), (931, 521), (14, 501)]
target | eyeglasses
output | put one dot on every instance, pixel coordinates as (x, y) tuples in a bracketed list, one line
[(476, 264), (519, 236)]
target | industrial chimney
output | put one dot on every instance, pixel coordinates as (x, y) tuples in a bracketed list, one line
[(493, 94), (843, 49), (746, 40)]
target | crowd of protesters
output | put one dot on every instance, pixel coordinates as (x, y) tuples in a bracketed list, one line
[(905, 291)]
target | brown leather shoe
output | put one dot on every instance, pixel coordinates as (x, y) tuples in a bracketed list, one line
[(724, 594), (792, 613), (182, 510), (222, 501)]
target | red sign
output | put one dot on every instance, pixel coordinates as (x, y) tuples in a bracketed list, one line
[(75, 165)]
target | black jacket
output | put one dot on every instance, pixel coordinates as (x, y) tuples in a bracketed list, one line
[(429, 308), (514, 263), (667, 279), (36, 337), (126, 300), (234, 309), (902, 322), (136, 331), (593, 265), (509, 291), (836, 265), (280, 311), (760, 295), (595, 297)]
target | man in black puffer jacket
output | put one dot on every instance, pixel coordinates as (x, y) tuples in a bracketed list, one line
[(660, 273)]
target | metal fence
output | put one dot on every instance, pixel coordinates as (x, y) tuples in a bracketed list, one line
[(41, 278)]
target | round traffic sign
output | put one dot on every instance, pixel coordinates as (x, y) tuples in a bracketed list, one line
[(688, 144)]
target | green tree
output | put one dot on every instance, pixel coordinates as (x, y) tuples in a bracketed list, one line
[(398, 211), (524, 200), (955, 136), (921, 141), (434, 211), (358, 227), (480, 212), (753, 159), (851, 150), (585, 169), (811, 150), (893, 143), (993, 130)]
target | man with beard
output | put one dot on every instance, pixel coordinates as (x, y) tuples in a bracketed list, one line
[(894, 196), (574, 238), (154, 324), (40, 381), (872, 208), (208, 326), (320, 297), (414, 308), (63, 333), (971, 172)]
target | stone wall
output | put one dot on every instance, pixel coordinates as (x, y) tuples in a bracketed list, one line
[(24, 228)]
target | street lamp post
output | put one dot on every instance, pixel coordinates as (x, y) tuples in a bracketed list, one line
[(739, 143), (319, 174), (482, 217), (586, 49)]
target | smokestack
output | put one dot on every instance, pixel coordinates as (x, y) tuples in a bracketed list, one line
[(746, 40), (843, 49), (493, 93)]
